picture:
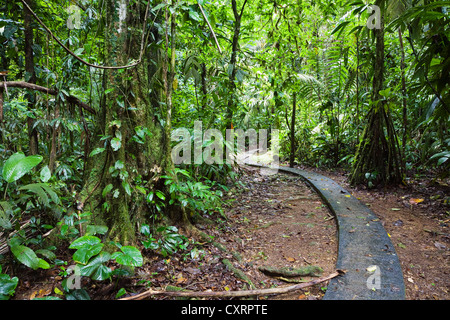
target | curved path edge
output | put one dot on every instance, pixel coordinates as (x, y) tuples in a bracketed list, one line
[(365, 251)]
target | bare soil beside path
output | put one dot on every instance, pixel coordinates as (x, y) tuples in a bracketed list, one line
[(283, 223)]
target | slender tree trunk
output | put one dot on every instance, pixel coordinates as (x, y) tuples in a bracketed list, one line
[(30, 76), (204, 89), (293, 146), (357, 88), (231, 107), (54, 141), (404, 101)]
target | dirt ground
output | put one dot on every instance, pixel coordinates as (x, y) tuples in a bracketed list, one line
[(282, 223), (279, 221)]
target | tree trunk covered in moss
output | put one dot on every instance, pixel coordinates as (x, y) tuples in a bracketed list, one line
[(378, 158), (133, 124)]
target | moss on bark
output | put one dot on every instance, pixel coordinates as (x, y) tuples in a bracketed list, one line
[(134, 162)]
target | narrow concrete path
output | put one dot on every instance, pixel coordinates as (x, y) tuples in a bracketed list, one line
[(373, 271)]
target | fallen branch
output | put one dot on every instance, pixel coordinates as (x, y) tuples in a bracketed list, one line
[(244, 293), (313, 271), (53, 92)]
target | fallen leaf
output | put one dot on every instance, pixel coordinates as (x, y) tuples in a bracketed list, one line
[(348, 196), (371, 269), (44, 292), (57, 291), (33, 295), (290, 259), (415, 201), (395, 209), (180, 278)]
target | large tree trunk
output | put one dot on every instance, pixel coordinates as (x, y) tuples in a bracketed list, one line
[(126, 163), (378, 158)]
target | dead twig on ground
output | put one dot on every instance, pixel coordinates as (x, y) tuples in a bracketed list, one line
[(244, 293)]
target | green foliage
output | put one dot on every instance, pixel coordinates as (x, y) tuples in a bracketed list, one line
[(128, 256), (19, 165), (7, 285), (28, 257), (92, 260), (167, 241), (197, 196)]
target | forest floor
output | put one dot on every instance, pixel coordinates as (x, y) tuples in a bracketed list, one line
[(279, 221)]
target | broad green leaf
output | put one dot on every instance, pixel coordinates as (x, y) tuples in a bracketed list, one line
[(85, 253), (48, 298), (46, 253), (127, 187), (18, 165), (45, 174), (28, 257), (96, 151), (160, 195), (194, 15), (95, 229), (43, 264), (121, 292), (78, 294), (5, 213), (95, 268), (107, 190), (116, 144), (145, 230), (130, 256), (84, 241), (442, 160), (7, 286), (119, 165)]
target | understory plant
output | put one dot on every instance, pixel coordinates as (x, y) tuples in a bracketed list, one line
[(7, 285), (26, 199), (198, 197), (166, 241)]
